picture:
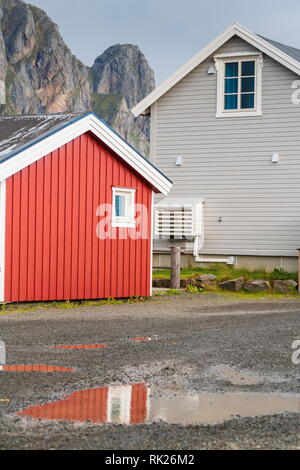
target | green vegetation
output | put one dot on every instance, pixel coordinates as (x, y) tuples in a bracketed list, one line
[(244, 295), (193, 290), (167, 293), (27, 307), (10, 78), (224, 273), (107, 105)]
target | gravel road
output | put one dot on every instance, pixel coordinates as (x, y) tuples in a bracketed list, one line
[(199, 344)]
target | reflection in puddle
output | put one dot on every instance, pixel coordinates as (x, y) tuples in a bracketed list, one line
[(35, 368), (132, 404), (122, 405), (81, 346)]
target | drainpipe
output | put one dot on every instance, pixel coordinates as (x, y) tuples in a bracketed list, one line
[(198, 245)]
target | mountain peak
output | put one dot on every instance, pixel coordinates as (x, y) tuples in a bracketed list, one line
[(39, 74), (123, 69)]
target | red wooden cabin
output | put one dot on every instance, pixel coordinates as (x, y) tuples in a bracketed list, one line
[(76, 205)]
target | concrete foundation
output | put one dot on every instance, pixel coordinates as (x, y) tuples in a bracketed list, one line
[(163, 261)]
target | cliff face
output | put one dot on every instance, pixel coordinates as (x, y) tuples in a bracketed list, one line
[(39, 74), (42, 74), (123, 69)]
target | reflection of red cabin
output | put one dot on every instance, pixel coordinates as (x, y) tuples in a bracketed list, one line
[(122, 405), (56, 173)]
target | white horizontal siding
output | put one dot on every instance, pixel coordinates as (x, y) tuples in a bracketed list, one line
[(228, 161)]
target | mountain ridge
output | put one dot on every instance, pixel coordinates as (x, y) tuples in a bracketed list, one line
[(39, 74)]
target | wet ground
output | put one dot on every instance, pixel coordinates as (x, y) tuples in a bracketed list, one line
[(187, 372)]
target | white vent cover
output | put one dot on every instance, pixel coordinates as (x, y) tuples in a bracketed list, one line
[(179, 218)]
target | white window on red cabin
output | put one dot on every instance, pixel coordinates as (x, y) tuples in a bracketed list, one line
[(123, 208)]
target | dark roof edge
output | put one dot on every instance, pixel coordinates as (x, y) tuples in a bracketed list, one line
[(67, 124)]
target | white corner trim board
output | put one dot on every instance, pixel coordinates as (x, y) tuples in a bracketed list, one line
[(234, 30), (91, 123), (151, 255), (2, 237)]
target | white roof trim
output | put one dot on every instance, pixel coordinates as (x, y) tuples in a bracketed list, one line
[(235, 29), (93, 124)]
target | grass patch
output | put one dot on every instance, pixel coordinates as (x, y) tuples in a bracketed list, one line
[(244, 295), (66, 305), (168, 293), (224, 273), (193, 290)]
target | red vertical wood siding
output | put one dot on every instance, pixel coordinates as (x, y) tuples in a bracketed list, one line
[(52, 251)]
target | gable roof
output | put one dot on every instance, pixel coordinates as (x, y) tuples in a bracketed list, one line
[(286, 55), (18, 131), (293, 52), (26, 139)]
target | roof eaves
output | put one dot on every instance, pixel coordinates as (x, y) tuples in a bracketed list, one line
[(65, 125), (55, 129), (131, 146)]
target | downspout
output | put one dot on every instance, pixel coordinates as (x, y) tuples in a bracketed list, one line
[(198, 245)]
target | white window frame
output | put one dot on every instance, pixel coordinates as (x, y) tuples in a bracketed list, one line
[(220, 61), (128, 221)]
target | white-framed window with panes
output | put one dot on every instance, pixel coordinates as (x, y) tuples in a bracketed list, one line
[(123, 207), (239, 85)]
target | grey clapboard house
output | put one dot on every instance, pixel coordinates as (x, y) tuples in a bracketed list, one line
[(226, 129)]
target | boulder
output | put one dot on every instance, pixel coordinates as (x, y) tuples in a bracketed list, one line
[(284, 287), (233, 285), (206, 277), (206, 280), (257, 286), (184, 283), (162, 283)]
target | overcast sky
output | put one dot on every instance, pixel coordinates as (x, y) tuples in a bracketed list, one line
[(169, 32)]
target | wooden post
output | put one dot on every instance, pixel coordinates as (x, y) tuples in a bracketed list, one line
[(175, 267), (299, 270)]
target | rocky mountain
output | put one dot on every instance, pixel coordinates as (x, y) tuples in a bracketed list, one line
[(39, 74)]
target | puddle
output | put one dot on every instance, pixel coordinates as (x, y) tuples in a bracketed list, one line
[(81, 346), (35, 368), (133, 404)]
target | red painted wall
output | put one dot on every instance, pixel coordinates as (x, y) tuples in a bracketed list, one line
[(52, 251)]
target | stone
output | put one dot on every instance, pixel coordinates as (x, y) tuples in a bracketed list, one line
[(233, 285), (184, 283), (257, 285), (284, 287), (162, 283), (206, 280), (206, 277)]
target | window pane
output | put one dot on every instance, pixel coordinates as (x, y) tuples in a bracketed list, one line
[(248, 68), (231, 101), (231, 85), (247, 101), (248, 85), (120, 203), (232, 69)]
